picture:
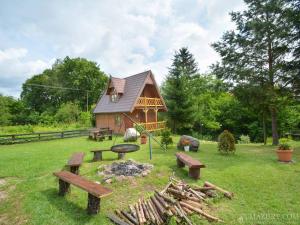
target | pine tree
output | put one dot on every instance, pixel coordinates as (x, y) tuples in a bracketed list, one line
[(176, 91), (256, 52)]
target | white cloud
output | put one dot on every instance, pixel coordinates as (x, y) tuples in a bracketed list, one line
[(14, 69), (124, 37)]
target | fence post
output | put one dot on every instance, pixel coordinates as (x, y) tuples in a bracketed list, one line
[(62, 134)]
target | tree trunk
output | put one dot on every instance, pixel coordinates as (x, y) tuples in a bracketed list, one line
[(264, 128), (274, 126)]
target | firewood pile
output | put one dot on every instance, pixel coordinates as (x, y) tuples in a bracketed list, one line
[(178, 200)]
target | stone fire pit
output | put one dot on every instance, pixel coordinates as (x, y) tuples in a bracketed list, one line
[(123, 170)]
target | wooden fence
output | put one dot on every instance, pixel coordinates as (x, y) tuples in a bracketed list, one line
[(41, 136)]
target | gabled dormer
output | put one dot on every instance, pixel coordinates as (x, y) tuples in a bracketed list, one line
[(115, 89)]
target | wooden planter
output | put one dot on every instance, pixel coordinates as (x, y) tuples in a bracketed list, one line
[(284, 155), (144, 139)]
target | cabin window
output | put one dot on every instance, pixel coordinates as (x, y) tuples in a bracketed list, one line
[(118, 120), (114, 96)]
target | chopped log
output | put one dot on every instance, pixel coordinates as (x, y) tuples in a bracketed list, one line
[(226, 193), (138, 213), (175, 192), (211, 193), (154, 210), (161, 201), (130, 218), (182, 212), (132, 210), (166, 198), (116, 220), (150, 213), (201, 212), (164, 205), (142, 211), (165, 189), (197, 194), (159, 208), (187, 211), (182, 195), (176, 187), (202, 189), (121, 216), (147, 216), (173, 210), (192, 203)]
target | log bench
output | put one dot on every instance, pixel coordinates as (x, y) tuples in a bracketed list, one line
[(193, 164), (95, 191), (75, 162)]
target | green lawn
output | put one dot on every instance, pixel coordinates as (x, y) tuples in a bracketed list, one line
[(266, 192)]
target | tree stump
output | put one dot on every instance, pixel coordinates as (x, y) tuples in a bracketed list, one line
[(194, 173), (74, 169), (121, 155), (179, 163), (64, 188), (93, 206), (97, 156)]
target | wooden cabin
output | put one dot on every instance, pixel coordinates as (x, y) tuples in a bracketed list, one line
[(134, 98)]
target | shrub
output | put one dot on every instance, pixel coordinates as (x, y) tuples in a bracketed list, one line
[(68, 113), (283, 144), (226, 142), (166, 138), (85, 119), (244, 139)]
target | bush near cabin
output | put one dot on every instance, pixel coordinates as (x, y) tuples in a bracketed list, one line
[(226, 142)]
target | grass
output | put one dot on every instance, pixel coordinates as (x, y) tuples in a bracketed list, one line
[(266, 192), (21, 129)]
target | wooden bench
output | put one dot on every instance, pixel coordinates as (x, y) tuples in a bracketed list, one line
[(98, 154), (95, 191), (193, 164), (102, 133), (75, 162)]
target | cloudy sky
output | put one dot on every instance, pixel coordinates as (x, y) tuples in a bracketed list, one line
[(123, 37)]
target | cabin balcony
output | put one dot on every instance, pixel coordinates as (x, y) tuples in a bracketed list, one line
[(154, 126), (145, 102)]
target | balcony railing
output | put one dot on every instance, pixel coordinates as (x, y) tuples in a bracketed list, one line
[(152, 102), (153, 126)]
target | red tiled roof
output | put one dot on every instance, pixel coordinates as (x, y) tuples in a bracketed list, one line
[(118, 84), (130, 87)]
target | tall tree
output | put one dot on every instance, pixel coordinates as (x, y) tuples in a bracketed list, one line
[(256, 52), (293, 16), (176, 91), (75, 76)]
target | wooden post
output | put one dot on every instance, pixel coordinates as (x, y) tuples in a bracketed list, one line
[(156, 125), (64, 187), (97, 156), (194, 173), (74, 169), (179, 163), (93, 206), (146, 118)]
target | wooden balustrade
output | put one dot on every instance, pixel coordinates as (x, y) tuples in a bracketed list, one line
[(153, 126), (152, 102)]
